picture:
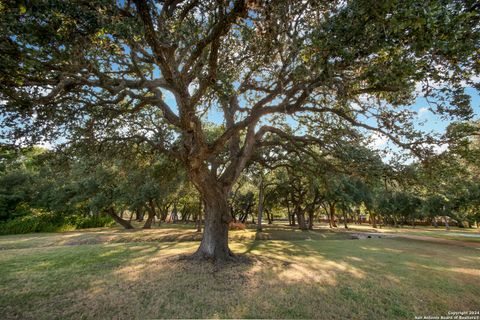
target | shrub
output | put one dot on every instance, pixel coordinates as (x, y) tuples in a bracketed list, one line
[(82, 222), (39, 220)]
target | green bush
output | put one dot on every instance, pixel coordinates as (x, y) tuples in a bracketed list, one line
[(82, 222), (39, 220)]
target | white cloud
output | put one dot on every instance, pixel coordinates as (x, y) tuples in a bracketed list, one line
[(46, 144), (421, 112), (436, 148), (440, 148), (378, 140)]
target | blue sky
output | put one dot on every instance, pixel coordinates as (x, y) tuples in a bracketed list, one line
[(426, 120), (434, 122)]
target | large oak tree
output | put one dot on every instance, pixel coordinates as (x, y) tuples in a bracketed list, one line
[(146, 71)]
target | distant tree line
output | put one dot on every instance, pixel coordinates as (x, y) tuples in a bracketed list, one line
[(48, 190)]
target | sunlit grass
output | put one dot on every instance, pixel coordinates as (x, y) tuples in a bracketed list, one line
[(128, 275)]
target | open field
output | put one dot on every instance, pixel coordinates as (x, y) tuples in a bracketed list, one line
[(110, 273)]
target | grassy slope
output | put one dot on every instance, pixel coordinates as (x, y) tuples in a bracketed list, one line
[(112, 274)]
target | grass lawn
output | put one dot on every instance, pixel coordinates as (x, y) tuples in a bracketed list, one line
[(110, 273), (455, 233)]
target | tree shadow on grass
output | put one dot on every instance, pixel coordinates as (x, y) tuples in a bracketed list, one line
[(370, 279)]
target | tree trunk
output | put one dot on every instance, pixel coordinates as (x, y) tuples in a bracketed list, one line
[(289, 214), (151, 216), (328, 217), (163, 210), (447, 226), (269, 216), (232, 213), (184, 213), (124, 223), (164, 215), (174, 215), (139, 213), (301, 219), (243, 216), (373, 220), (332, 215), (260, 205), (214, 245), (149, 221), (310, 220), (199, 217), (345, 222)]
